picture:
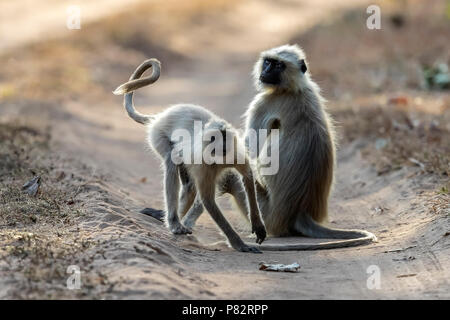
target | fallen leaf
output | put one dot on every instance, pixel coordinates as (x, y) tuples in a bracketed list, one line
[(32, 186)]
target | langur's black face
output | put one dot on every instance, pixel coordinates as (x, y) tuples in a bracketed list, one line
[(271, 71)]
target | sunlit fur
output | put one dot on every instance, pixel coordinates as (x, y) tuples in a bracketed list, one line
[(291, 79), (307, 147)]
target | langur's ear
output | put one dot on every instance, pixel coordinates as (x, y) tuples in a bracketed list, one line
[(303, 67)]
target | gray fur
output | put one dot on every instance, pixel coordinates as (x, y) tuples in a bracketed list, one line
[(295, 200)]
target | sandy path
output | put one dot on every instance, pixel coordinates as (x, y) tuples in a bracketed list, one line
[(336, 274), (113, 147)]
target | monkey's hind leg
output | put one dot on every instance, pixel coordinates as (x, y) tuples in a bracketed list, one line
[(193, 214), (171, 188), (207, 194), (243, 192), (187, 198), (257, 223), (188, 191), (231, 183)]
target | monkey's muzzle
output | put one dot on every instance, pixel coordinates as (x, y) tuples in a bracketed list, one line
[(269, 78)]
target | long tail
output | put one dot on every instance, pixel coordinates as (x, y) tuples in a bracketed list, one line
[(310, 228), (135, 83)]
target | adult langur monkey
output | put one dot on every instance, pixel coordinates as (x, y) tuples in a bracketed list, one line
[(294, 201)]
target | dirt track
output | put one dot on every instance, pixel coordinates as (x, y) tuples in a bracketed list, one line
[(145, 261)]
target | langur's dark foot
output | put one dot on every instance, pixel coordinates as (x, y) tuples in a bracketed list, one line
[(178, 228), (260, 232)]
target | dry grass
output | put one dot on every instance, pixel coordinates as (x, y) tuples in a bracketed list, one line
[(399, 137), (375, 80), (24, 154), (38, 233)]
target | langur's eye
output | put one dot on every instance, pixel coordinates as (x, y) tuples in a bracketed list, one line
[(279, 65)]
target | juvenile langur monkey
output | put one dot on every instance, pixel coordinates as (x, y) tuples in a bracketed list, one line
[(201, 177), (294, 201)]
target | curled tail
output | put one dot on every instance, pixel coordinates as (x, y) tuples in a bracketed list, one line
[(135, 83), (308, 227)]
